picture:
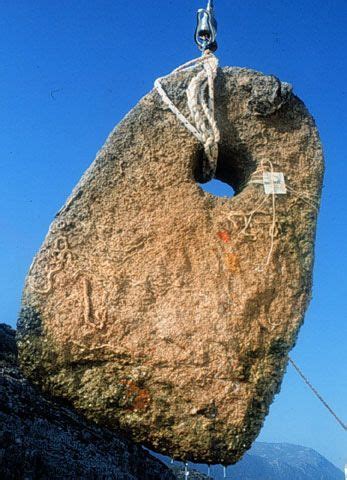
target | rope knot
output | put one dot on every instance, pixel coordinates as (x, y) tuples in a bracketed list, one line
[(201, 105)]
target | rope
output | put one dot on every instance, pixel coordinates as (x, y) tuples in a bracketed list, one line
[(201, 105), (317, 394), (302, 195), (274, 215), (250, 215)]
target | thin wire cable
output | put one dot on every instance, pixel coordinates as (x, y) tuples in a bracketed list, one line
[(317, 394)]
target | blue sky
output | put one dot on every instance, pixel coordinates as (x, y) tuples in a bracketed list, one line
[(71, 69)]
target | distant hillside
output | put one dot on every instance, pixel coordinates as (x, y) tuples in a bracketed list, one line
[(270, 461), (281, 461)]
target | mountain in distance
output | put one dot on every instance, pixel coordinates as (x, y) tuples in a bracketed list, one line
[(284, 461), (275, 461)]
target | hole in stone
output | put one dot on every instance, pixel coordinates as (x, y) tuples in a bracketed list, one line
[(217, 188), (233, 172)]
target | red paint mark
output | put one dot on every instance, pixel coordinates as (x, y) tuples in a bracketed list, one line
[(224, 236), (137, 398)]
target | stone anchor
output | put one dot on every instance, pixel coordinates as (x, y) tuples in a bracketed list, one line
[(157, 308)]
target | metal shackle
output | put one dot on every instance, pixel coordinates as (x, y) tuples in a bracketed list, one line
[(206, 30)]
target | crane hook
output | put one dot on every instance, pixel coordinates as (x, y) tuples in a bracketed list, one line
[(206, 30)]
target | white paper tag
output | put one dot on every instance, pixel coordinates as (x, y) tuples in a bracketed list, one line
[(274, 183)]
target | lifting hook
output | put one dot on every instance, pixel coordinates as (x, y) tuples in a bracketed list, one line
[(206, 30)]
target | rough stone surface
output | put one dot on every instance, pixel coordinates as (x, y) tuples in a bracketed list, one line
[(158, 308), (41, 439)]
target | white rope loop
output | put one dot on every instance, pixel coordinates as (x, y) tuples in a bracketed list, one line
[(201, 105)]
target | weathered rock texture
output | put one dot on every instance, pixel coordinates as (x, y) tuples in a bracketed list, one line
[(161, 309), (41, 439)]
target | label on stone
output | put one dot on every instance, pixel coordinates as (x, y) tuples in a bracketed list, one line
[(274, 183)]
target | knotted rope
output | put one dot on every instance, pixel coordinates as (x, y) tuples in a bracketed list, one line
[(201, 105)]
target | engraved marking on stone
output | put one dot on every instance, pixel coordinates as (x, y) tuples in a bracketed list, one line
[(305, 197), (247, 219), (61, 254), (91, 349), (134, 248), (93, 316), (269, 323)]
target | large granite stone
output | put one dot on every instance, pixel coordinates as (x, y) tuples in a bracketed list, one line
[(158, 308)]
